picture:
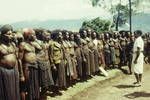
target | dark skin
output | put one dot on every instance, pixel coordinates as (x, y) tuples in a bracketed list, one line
[(9, 54), (89, 33), (27, 51), (60, 37), (66, 37), (129, 64), (27, 55), (59, 40), (71, 37), (93, 35), (7, 51), (42, 48), (84, 34), (43, 53)]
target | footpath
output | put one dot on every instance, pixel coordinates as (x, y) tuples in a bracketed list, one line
[(119, 88), (84, 86)]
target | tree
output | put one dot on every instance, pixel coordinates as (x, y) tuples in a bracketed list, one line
[(130, 16), (121, 16), (118, 11), (97, 25)]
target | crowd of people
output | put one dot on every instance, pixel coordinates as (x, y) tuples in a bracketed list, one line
[(35, 61)]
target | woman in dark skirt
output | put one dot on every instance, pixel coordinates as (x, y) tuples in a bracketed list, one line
[(91, 51), (73, 56), (92, 57), (58, 62), (42, 54), (45, 76), (9, 74), (113, 56), (100, 47), (123, 45), (86, 59), (96, 52), (30, 88), (79, 56), (107, 52)]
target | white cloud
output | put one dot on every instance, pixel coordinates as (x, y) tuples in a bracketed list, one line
[(19, 10)]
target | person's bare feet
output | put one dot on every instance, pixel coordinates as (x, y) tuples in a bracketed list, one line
[(135, 83)]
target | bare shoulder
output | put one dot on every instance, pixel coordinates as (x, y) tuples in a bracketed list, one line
[(3, 49), (22, 45), (37, 44)]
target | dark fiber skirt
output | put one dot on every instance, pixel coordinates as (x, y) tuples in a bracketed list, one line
[(9, 84), (45, 74), (34, 89), (31, 83)]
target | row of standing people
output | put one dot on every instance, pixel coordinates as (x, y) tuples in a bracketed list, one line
[(35, 61), (31, 62)]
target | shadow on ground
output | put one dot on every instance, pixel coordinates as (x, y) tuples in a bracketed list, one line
[(125, 86), (124, 70), (137, 95)]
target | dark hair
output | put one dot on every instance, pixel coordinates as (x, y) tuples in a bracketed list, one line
[(92, 35), (39, 34), (81, 31), (54, 34), (4, 29), (76, 39), (70, 34), (139, 32), (64, 34)]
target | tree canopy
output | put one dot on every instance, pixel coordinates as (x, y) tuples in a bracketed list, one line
[(97, 25), (120, 12)]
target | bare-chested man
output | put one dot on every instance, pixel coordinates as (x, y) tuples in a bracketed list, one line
[(29, 87), (9, 76)]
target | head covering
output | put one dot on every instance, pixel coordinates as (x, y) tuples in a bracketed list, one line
[(4, 29)]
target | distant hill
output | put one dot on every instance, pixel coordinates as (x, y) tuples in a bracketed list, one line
[(140, 21), (50, 24)]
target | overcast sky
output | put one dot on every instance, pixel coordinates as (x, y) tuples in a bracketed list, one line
[(20, 10)]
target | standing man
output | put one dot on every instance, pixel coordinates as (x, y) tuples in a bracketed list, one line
[(138, 57)]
